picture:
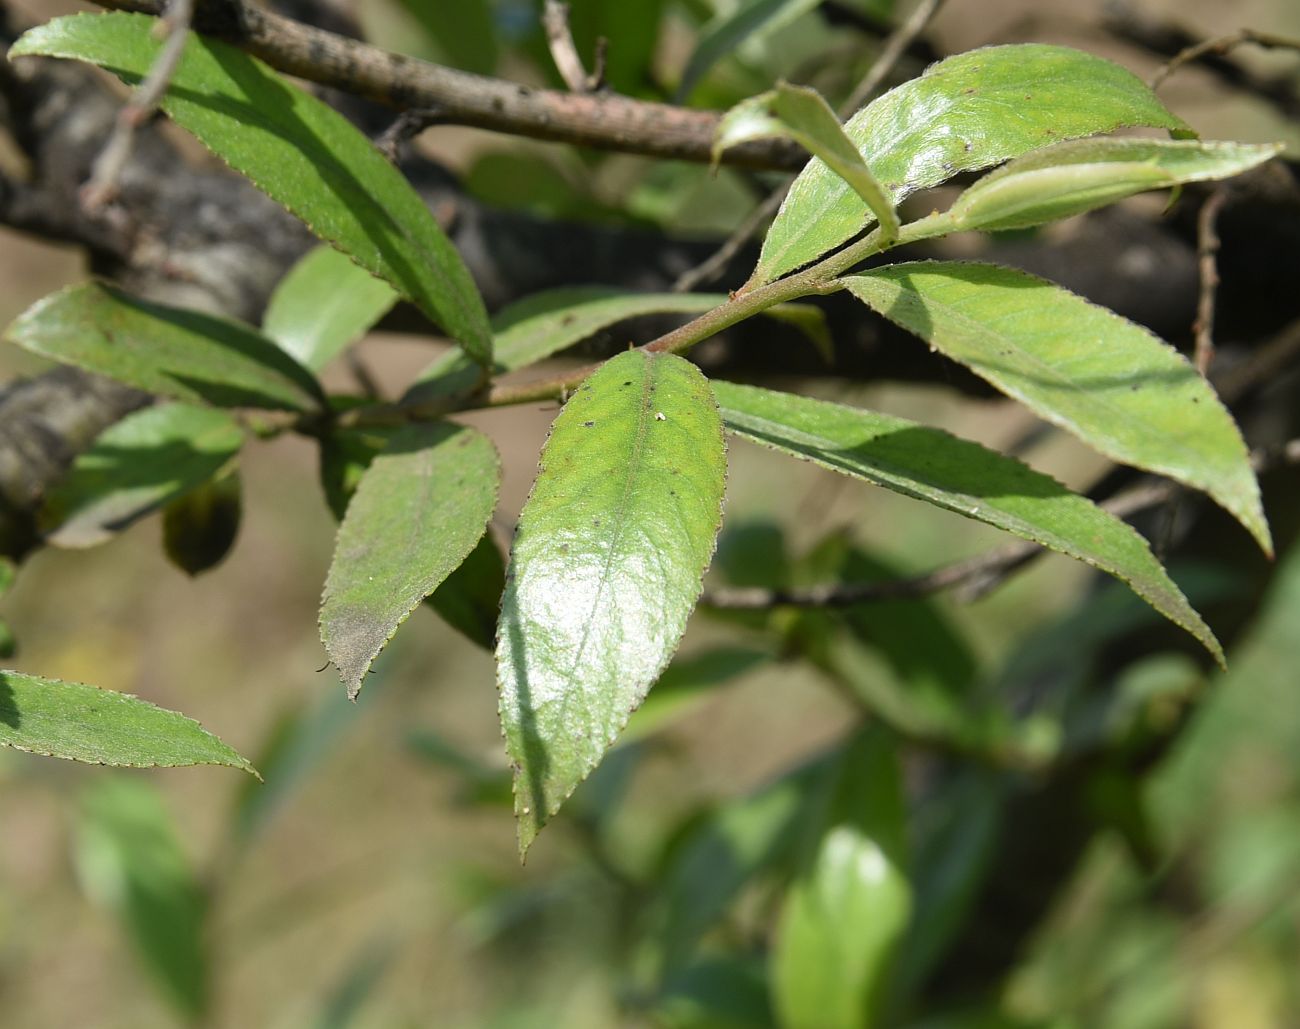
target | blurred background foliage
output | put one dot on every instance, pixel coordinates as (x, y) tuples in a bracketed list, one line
[(847, 811)]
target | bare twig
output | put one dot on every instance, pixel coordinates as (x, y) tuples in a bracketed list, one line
[(107, 172), (1207, 252), (895, 47), (564, 52), (604, 120), (1220, 46), (405, 127), (973, 577)]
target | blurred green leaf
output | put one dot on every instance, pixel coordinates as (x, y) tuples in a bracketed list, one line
[(345, 454), (8, 573), (324, 303), (1074, 177), (749, 19), (632, 28), (605, 569), (200, 527), (135, 466), (362, 975), (1099, 376), (8, 642), (686, 682), (299, 151), (800, 114), (716, 993), (469, 599), (130, 862), (958, 476), (463, 32), (165, 350), (101, 727), (419, 510), (954, 118)]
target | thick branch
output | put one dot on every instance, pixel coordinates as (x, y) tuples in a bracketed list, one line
[(604, 120)]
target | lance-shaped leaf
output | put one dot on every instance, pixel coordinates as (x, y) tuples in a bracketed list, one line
[(799, 113), (165, 350), (419, 510), (1111, 383), (606, 565), (958, 476), (101, 727), (1084, 174), (968, 112), (134, 467), (297, 150), (324, 303)]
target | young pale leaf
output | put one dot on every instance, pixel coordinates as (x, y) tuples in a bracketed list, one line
[(962, 477), (165, 350), (134, 467), (419, 510), (131, 863), (541, 325), (100, 727), (751, 19), (801, 114), (323, 304), (1083, 174), (968, 112), (296, 149), (1110, 382), (606, 566), (200, 527)]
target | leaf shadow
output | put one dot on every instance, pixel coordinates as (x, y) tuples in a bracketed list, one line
[(9, 713)]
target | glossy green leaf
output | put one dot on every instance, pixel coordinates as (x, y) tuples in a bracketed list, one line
[(165, 350), (101, 727), (1110, 382), (131, 863), (469, 599), (419, 510), (296, 149), (199, 527), (968, 112), (324, 303), (844, 916), (606, 566), (958, 476), (134, 467), (748, 20), (1084, 174), (800, 114)]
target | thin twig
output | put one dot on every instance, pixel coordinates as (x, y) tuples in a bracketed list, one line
[(895, 47), (564, 51), (1207, 252), (109, 165), (405, 127), (606, 120), (1220, 46), (973, 577)]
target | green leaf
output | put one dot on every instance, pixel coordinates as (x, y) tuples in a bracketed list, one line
[(968, 112), (323, 304), (100, 727), (200, 527), (462, 33), (1074, 177), (131, 863), (958, 476), (469, 599), (297, 150), (751, 19), (843, 918), (1111, 383), (686, 682), (134, 467), (799, 113), (419, 510), (165, 350), (8, 641), (606, 566)]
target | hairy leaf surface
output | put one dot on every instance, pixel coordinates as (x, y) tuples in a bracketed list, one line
[(101, 727), (1110, 382), (296, 149), (164, 350), (968, 112), (606, 566), (962, 477), (134, 467), (324, 303), (419, 510)]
